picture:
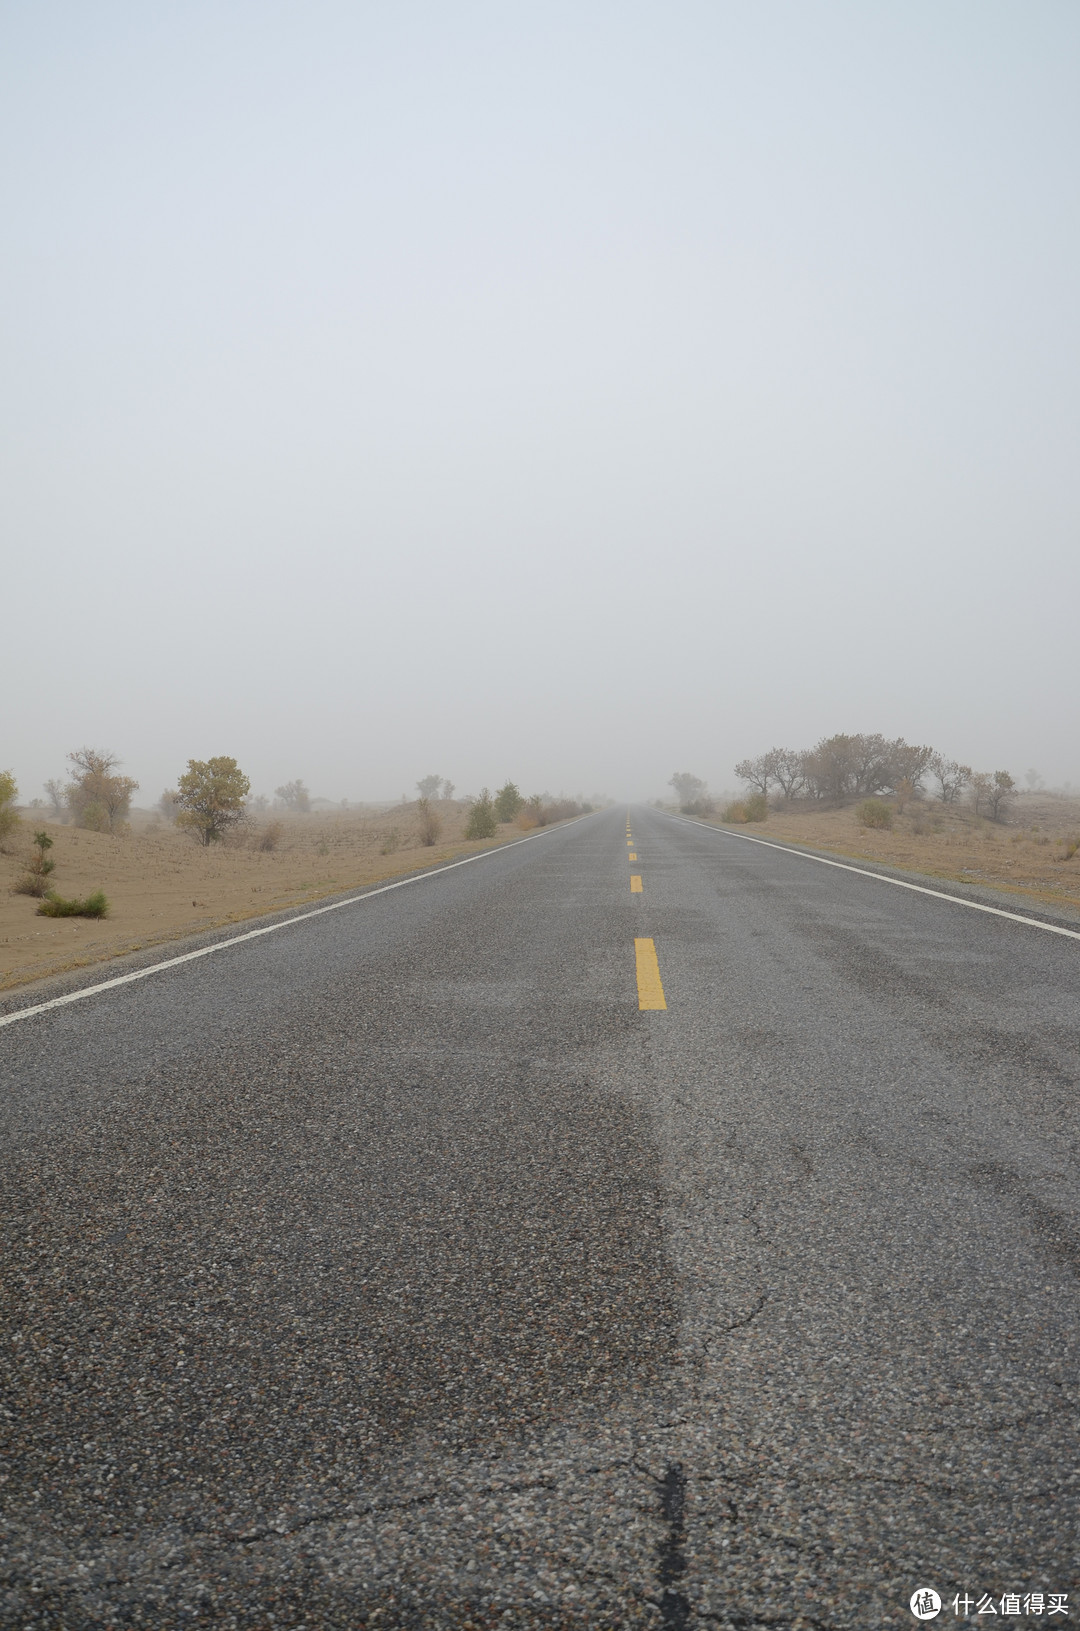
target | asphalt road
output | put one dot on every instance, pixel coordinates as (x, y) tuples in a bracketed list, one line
[(396, 1269)]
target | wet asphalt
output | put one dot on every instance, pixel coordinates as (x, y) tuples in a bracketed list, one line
[(395, 1270)]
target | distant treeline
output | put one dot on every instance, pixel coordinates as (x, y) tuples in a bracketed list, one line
[(840, 769)]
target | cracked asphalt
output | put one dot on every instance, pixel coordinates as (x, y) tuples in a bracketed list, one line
[(395, 1270)]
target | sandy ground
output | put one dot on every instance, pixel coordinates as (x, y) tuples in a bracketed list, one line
[(162, 886), (1025, 856)]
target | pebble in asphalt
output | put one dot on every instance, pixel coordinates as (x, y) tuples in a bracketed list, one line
[(396, 1271)]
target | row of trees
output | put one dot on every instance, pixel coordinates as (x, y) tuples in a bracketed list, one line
[(210, 796), (842, 768)]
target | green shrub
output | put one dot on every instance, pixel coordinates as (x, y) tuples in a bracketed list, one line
[(482, 822), (94, 817), (508, 801), (873, 813), (9, 816), (94, 905)]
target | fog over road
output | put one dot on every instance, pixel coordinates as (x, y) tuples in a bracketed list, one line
[(398, 1269)]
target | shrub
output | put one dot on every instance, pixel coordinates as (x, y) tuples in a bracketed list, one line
[(36, 880), (873, 813), (754, 808), (482, 822), (94, 817), (430, 825), (1071, 847), (268, 837), (94, 905), (9, 816), (390, 842), (508, 801), (32, 884)]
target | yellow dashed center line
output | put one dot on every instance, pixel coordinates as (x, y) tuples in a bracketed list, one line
[(632, 856), (649, 989), (635, 884)]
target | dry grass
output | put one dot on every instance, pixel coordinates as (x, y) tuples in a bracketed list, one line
[(162, 886), (1034, 855)]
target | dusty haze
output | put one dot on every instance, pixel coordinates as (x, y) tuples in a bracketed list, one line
[(566, 392)]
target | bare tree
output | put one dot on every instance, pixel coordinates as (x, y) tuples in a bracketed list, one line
[(831, 768), (295, 797), (55, 791), (760, 772), (907, 762), (996, 793), (951, 777), (690, 791), (788, 771), (870, 764), (95, 795)]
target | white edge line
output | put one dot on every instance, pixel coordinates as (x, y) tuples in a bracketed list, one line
[(882, 877), (271, 928)]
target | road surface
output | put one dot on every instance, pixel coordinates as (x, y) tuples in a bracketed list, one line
[(522, 1248)]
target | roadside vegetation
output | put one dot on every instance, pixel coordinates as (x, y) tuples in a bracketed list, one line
[(36, 880), (94, 905), (9, 814), (97, 797), (845, 769), (881, 777), (210, 798), (908, 805), (95, 875)]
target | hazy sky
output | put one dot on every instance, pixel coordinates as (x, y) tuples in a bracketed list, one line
[(571, 392)]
